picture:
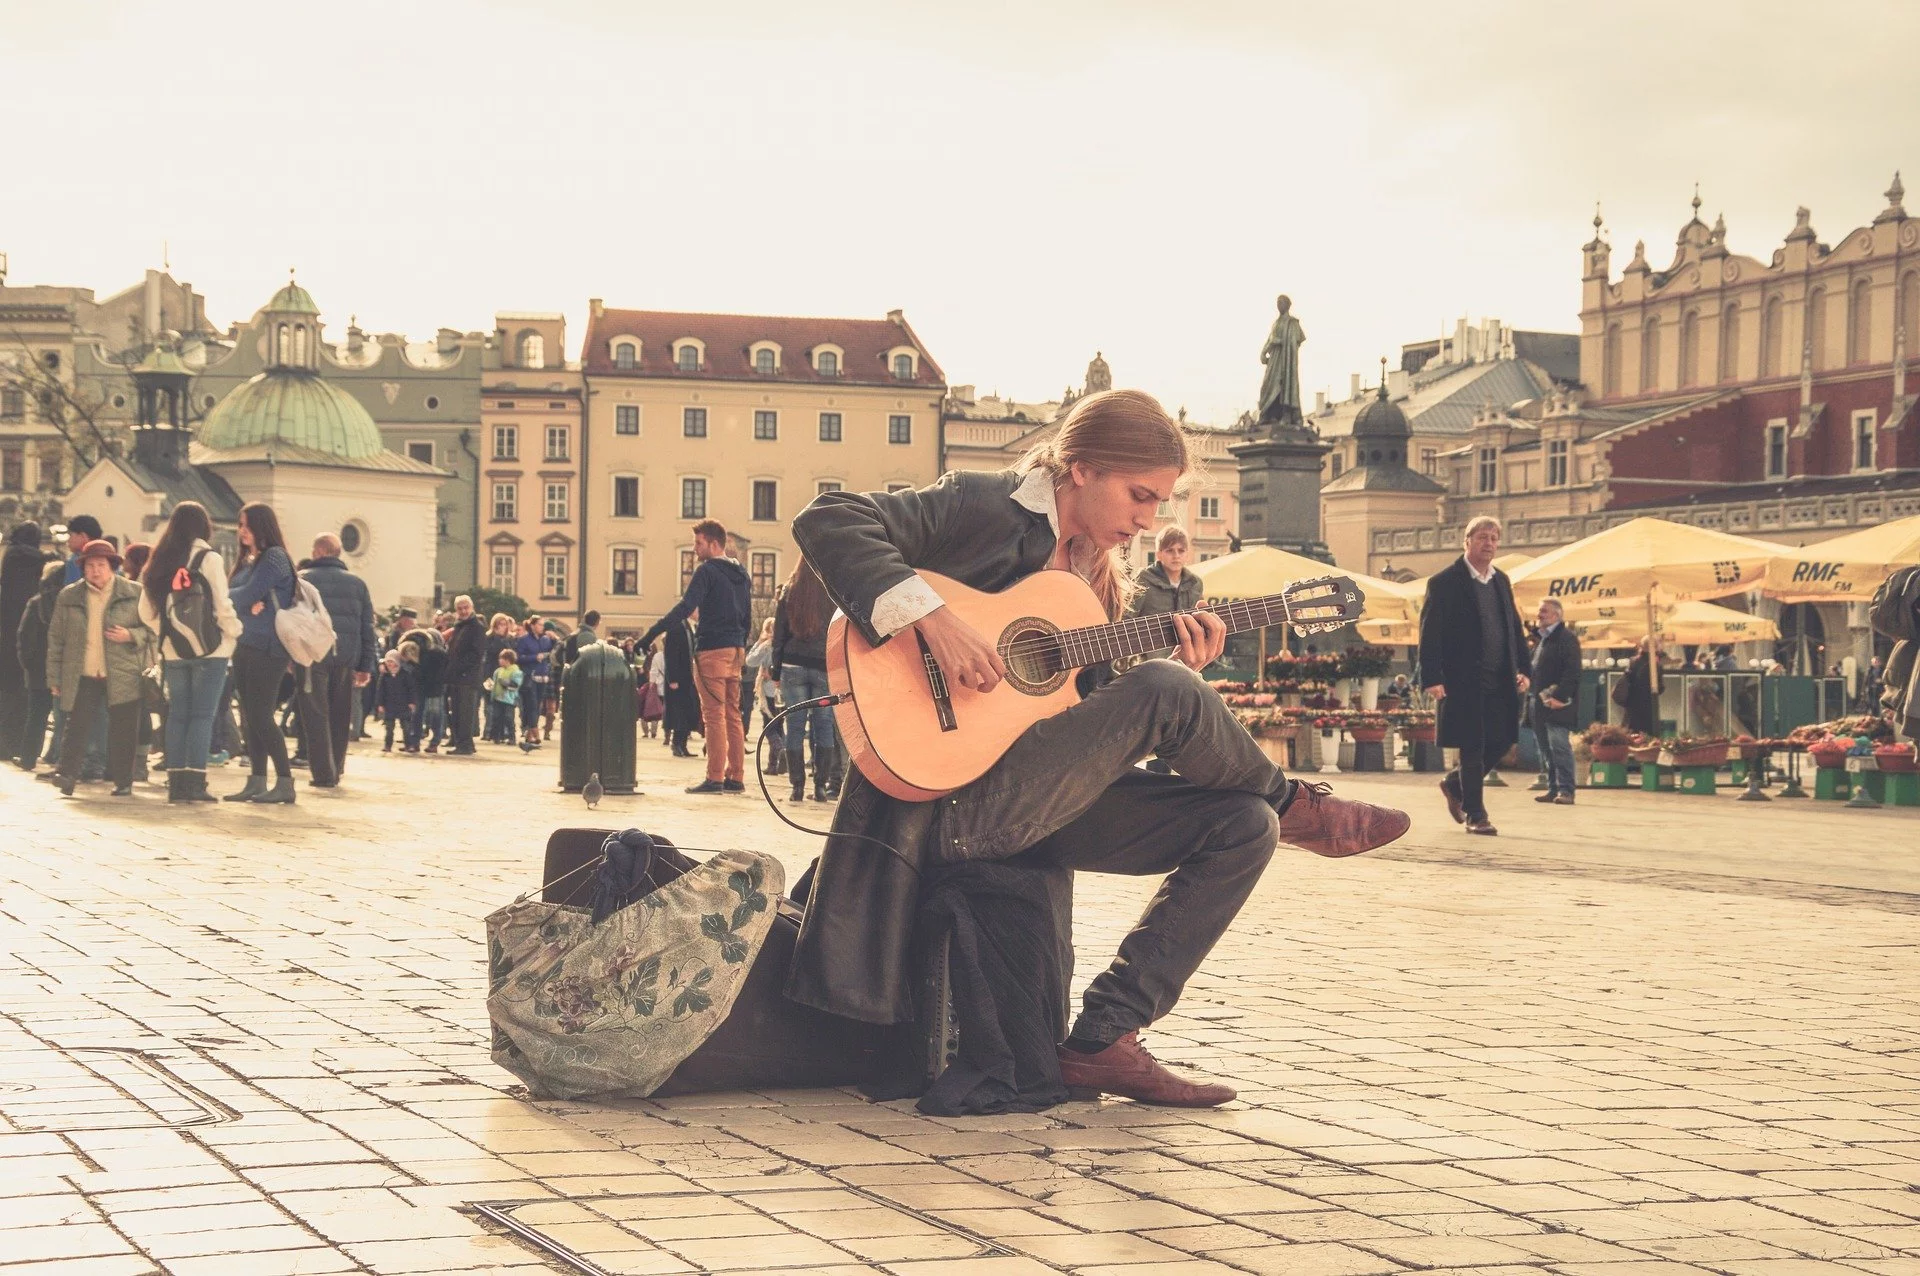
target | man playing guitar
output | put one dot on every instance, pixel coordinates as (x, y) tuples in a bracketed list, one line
[(1068, 789)]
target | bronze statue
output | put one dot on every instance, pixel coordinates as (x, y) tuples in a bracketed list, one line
[(1280, 388)]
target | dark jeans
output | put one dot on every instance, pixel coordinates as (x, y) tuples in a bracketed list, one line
[(1556, 752), (326, 712), (1068, 792), (429, 716), (256, 682), (799, 684), (463, 706), (89, 706), (33, 732)]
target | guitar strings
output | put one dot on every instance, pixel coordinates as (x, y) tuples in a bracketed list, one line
[(1153, 628)]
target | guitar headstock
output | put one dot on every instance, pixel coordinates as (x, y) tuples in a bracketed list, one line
[(1323, 604)]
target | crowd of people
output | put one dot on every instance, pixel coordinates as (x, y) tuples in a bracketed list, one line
[(115, 663)]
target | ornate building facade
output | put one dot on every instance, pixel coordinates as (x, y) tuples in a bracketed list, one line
[(742, 418), (533, 447)]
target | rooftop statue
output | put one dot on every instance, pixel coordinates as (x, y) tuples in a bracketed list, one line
[(1280, 388)]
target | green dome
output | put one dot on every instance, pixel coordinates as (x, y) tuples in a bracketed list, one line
[(292, 407), (292, 300)]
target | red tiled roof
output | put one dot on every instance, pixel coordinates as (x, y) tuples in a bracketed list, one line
[(865, 343)]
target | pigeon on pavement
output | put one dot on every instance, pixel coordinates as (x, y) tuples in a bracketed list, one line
[(593, 791)]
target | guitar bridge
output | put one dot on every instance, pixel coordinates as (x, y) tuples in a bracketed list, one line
[(937, 684)]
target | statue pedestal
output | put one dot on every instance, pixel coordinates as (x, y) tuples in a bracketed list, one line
[(1280, 490)]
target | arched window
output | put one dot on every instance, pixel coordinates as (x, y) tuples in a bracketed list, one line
[(625, 356), (1817, 327), (533, 350), (1730, 342), (763, 361), (1860, 323), (1772, 318), (1650, 356), (903, 367), (300, 344), (688, 359), (1690, 349), (280, 344), (1610, 362), (827, 363)]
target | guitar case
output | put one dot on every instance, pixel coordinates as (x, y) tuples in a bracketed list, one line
[(767, 1041)]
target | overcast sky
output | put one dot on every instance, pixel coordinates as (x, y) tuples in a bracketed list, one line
[(1030, 181)]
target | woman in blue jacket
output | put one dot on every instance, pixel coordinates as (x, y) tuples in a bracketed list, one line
[(535, 653), (261, 585)]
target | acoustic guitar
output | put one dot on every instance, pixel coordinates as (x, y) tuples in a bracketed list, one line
[(916, 737)]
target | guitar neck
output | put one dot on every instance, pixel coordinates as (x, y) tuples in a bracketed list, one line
[(1138, 635)]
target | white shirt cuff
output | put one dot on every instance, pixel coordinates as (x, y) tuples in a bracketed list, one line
[(905, 603)]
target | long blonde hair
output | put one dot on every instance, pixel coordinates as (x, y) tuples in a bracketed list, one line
[(1114, 431)]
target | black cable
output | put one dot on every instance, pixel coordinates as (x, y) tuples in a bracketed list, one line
[(760, 772)]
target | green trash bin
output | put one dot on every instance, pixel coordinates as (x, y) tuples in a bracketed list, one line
[(597, 720)]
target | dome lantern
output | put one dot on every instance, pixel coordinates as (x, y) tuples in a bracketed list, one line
[(292, 328)]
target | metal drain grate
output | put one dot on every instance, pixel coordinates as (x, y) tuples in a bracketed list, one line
[(799, 1230), (104, 1088)]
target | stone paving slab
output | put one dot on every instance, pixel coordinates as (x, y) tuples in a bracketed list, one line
[(1651, 1034)]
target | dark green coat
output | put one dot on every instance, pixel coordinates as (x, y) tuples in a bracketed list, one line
[(67, 643), (853, 957)]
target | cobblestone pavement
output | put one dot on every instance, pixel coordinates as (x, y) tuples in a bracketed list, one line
[(1648, 1034)]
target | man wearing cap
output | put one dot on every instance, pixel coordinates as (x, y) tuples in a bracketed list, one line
[(82, 530), (97, 648)]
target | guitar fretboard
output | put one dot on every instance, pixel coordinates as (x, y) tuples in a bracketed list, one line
[(1139, 634)]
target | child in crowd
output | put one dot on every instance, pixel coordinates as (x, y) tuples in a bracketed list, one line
[(394, 701), (414, 665), (503, 697)]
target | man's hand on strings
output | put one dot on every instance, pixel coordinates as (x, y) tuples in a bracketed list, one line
[(1203, 636), (967, 659)]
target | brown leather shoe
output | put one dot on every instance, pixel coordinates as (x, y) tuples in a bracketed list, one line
[(1326, 825), (1482, 827), (1456, 805), (1126, 1069)]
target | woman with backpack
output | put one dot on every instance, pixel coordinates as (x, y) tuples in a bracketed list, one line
[(262, 585), (183, 598)]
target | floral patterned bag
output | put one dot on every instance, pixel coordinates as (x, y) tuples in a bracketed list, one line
[(612, 1010)]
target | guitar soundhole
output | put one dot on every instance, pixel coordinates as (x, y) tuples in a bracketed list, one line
[(1032, 657)]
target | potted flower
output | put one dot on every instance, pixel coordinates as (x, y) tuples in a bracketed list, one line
[(1686, 750), (1416, 725), (1367, 728), (1830, 754), (1607, 742)]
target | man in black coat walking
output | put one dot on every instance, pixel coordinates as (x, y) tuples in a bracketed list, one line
[(20, 569), (1471, 649), (1556, 685), (327, 692), (466, 668)]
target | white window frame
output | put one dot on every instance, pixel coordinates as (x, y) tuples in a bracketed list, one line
[(512, 489), (753, 487), (753, 357), (699, 348), (613, 353), (548, 576), (839, 427), (706, 421), (1870, 419), (913, 363), (613, 495), (766, 438), (511, 435), (506, 582), (839, 361), (613, 572), (548, 488), (1778, 428), (566, 444), (618, 410), (1209, 507)]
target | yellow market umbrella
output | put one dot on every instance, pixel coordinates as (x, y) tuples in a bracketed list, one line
[(1263, 569), (1847, 568), (1642, 559), (1509, 563), (1691, 622)]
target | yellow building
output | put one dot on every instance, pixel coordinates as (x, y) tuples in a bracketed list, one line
[(531, 447), (741, 418)]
